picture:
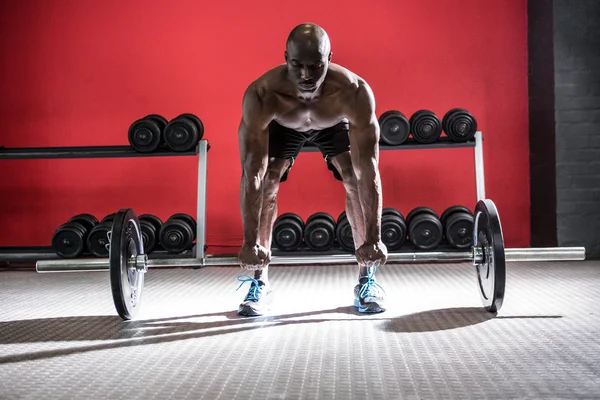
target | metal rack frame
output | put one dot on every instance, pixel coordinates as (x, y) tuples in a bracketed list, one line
[(202, 152), (477, 145)]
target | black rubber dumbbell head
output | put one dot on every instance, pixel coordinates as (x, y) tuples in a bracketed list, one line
[(319, 232), (97, 240), (68, 241), (288, 232)]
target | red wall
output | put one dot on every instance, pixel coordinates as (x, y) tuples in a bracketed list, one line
[(78, 73)]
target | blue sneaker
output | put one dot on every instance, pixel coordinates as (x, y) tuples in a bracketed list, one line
[(368, 294), (258, 299)]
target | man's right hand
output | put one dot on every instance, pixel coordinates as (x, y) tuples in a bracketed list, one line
[(254, 257)]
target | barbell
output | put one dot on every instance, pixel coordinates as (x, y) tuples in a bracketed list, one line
[(127, 262)]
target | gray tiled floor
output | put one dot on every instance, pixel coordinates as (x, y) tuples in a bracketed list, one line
[(60, 336)]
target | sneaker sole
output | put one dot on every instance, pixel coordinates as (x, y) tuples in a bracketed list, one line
[(247, 311), (371, 308)]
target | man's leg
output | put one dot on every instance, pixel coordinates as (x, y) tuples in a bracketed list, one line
[(277, 167), (368, 294), (284, 146), (343, 163)]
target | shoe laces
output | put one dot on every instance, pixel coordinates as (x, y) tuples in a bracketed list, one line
[(255, 287), (370, 287)]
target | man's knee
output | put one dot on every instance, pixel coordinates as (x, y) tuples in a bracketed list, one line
[(342, 164), (275, 171), (348, 176)]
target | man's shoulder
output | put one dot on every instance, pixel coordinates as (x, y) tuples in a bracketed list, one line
[(349, 85), (341, 78), (268, 82)]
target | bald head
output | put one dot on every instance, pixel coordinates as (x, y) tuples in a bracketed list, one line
[(307, 55), (310, 36)]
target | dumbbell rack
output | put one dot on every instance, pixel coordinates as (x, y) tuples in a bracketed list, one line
[(410, 144), (13, 254), (35, 253)]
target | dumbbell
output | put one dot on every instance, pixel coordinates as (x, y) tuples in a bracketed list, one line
[(458, 226), (69, 239), (146, 134), (394, 128), (184, 132), (343, 233), (98, 238), (109, 218), (425, 126), (393, 228), (425, 229), (177, 234), (459, 124), (150, 226), (288, 231), (319, 231)]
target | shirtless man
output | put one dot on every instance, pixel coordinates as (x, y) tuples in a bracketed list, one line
[(309, 99)]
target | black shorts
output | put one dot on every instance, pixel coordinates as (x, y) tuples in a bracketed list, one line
[(286, 143)]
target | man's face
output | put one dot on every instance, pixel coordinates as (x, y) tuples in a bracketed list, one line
[(306, 66)]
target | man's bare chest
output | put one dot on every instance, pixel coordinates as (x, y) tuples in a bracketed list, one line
[(305, 116)]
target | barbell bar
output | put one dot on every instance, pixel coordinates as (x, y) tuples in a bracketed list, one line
[(512, 255), (127, 262)]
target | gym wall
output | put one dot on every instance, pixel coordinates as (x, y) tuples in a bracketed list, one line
[(564, 83), (78, 73)]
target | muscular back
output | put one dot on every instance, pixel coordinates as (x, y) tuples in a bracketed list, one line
[(280, 101)]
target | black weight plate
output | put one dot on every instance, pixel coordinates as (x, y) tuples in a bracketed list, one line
[(287, 233), (87, 220), (425, 231), (320, 215), (459, 230), (187, 218), (126, 281), (319, 233), (181, 134), (97, 240), (68, 240), (340, 218), (343, 233), (393, 231), (459, 124), (159, 119), (425, 126), (176, 235), (294, 216), (154, 220), (109, 218), (491, 272), (149, 235), (391, 211), (78, 227), (144, 135), (394, 128), (197, 121), (451, 210), (419, 210)]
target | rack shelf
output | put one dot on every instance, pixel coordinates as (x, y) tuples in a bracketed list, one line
[(27, 153), (411, 144), (35, 254)]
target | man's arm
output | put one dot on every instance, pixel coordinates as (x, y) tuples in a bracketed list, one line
[(253, 137), (364, 150)]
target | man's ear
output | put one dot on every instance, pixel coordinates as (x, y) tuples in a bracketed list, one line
[(330, 54), (285, 56)]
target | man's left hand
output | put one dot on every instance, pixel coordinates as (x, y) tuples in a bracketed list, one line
[(372, 254)]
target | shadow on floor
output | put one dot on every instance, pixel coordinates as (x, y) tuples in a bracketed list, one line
[(445, 319), (115, 333)]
